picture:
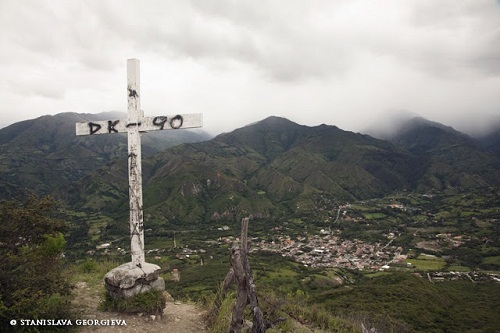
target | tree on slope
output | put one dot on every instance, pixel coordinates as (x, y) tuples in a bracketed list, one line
[(31, 245)]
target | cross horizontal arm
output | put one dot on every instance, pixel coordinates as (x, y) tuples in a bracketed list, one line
[(145, 124)]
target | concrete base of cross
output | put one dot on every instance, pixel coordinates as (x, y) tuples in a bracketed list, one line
[(128, 280)]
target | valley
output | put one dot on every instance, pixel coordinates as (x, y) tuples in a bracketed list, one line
[(345, 228), (391, 233), (431, 247)]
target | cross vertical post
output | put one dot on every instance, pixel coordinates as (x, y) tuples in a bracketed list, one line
[(134, 120)]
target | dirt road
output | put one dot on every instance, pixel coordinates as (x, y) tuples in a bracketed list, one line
[(177, 317)]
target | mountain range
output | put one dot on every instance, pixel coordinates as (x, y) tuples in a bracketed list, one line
[(44, 154), (270, 168)]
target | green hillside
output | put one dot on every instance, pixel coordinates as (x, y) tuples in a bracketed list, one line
[(44, 154), (455, 160), (276, 167)]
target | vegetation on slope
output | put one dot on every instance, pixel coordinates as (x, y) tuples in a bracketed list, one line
[(338, 300), (32, 284)]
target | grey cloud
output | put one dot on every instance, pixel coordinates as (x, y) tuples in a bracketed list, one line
[(275, 40), (464, 37), (484, 54), (299, 40), (314, 40), (339, 60), (278, 40), (37, 87)]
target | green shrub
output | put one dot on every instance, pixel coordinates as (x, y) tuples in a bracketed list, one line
[(88, 266), (32, 283)]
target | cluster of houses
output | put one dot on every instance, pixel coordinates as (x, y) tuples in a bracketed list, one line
[(322, 250), (327, 250)]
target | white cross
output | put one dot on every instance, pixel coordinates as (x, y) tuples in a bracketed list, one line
[(136, 123)]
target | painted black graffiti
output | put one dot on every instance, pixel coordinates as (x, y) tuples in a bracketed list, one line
[(133, 164), (94, 128), (176, 122), (132, 93), (111, 126), (160, 121), (136, 230)]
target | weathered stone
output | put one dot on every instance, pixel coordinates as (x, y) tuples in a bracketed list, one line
[(158, 284), (129, 279)]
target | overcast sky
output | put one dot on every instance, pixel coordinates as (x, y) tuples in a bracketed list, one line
[(345, 63)]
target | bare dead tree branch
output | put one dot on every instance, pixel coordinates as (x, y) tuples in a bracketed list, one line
[(241, 273)]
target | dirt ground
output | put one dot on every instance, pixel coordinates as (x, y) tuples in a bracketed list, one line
[(177, 317)]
